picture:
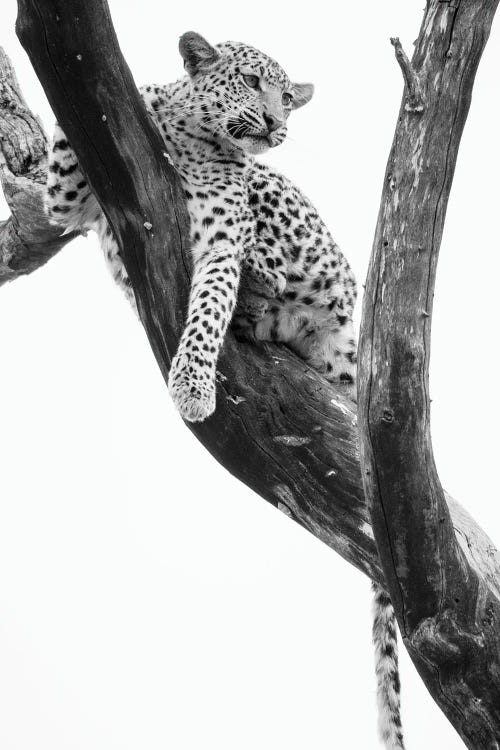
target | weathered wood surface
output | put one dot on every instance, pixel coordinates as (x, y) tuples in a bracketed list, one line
[(278, 427), (449, 614), (27, 240)]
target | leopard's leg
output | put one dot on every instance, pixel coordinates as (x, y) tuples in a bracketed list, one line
[(264, 270), (211, 304), (70, 203), (327, 343), (330, 348), (68, 199), (263, 279), (325, 292)]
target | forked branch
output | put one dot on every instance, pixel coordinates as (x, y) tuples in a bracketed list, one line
[(415, 100)]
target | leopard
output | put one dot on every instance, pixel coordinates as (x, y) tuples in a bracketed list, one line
[(263, 261)]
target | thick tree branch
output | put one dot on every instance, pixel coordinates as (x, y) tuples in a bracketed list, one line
[(449, 615), (279, 426), (27, 240)]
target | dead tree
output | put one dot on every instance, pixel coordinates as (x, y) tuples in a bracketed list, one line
[(448, 615), (279, 427)]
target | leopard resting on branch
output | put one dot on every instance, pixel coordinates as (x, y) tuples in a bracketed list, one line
[(245, 218)]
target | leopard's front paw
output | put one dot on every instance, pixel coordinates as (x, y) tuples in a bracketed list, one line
[(192, 390), (266, 284), (273, 286), (252, 305)]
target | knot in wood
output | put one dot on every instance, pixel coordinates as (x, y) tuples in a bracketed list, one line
[(387, 416)]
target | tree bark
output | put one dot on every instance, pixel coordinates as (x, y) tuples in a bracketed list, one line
[(279, 427), (27, 240), (449, 615)]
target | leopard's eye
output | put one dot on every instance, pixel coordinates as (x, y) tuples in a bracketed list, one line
[(287, 99), (252, 81)]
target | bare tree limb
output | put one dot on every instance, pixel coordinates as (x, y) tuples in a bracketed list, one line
[(27, 240), (448, 614), (415, 101), (279, 427)]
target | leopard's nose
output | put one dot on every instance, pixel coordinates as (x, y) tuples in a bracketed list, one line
[(272, 122)]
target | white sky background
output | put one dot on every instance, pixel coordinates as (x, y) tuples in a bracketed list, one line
[(147, 599)]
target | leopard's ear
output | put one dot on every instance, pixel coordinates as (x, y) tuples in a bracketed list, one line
[(197, 53), (302, 93)]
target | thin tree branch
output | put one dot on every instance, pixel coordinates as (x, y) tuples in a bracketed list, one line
[(415, 101), (27, 240), (449, 615)]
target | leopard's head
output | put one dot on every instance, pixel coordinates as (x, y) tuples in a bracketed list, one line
[(239, 94)]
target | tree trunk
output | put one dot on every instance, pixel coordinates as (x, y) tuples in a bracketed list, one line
[(279, 426), (449, 615)]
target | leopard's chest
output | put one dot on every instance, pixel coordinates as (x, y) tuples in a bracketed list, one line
[(216, 198)]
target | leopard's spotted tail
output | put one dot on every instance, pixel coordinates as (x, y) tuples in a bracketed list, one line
[(386, 667)]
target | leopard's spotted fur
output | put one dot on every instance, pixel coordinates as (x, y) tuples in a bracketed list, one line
[(233, 104)]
